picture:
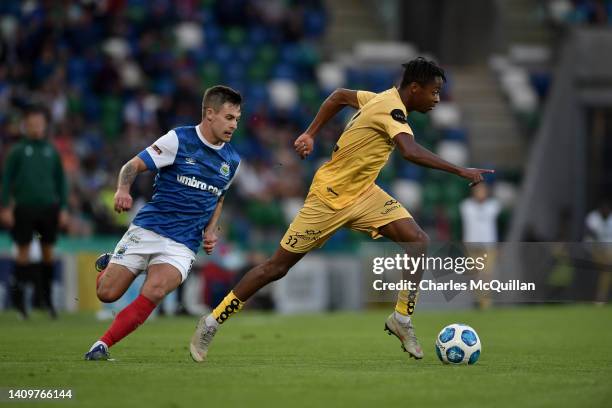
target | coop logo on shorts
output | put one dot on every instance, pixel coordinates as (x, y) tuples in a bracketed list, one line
[(229, 310), (224, 169), (390, 206)]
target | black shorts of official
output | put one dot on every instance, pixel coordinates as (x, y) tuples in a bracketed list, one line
[(42, 220)]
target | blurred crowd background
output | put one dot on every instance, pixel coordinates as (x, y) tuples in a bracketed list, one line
[(117, 74)]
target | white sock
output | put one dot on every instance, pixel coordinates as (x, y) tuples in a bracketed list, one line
[(404, 319), (211, 321), (98, 343)]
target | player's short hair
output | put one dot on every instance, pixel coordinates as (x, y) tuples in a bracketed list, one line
[(35, 109), (216, 96), (421, 71)]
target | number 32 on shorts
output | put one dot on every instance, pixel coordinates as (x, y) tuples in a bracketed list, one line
[(291, 241)]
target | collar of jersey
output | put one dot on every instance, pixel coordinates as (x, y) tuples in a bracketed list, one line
[(397, 94), (206, 142), (399, 98)]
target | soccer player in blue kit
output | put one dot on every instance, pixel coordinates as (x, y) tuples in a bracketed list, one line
[(195, 166)]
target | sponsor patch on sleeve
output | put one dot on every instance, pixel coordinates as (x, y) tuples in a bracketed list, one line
[(157, 149), (398, 115)]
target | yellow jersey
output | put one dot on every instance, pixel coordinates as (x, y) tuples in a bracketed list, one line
[(363, 148)]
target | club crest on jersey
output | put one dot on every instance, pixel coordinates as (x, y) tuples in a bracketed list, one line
[(190, 160), (224, 169)]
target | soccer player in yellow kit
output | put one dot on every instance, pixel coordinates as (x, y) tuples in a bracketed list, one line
[(344, 193)]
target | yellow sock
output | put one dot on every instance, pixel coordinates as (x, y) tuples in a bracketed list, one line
[(230, 305), (406, 301)]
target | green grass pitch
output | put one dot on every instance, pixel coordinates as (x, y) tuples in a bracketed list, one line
[(543, 356)]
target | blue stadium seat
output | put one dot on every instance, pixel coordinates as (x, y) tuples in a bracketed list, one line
[(234, 71), (455, 134), (284, 71), (314, 23), (212, 35), (410, 171)]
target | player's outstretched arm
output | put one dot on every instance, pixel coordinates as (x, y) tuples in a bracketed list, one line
[(210, 232), (414, 152), (127, 175), (329, 108)]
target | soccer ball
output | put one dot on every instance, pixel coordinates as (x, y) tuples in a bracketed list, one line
[(458, 343)]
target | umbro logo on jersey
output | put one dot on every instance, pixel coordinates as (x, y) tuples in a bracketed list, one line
[(195, 183), (190, 160)]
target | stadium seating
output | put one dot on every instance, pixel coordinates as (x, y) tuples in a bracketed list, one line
[(137, 81)]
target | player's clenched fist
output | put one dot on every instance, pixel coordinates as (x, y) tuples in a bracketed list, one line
[(303, 145), (123, 201), (210, 240)]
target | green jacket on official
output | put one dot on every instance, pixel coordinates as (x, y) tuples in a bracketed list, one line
[(33, 175)]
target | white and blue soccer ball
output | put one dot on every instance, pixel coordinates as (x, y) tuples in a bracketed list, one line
[(458, 343)]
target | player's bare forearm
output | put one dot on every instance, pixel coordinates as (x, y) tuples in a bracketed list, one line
[(212, 224), (416, 153), (209, 236), (128, 173), (331, 106), (426, 158)]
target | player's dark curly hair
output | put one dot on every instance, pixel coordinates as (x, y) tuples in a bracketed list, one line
[(216, 96), (421, 71), (35, 108)]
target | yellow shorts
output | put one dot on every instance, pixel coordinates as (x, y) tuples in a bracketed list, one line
[(316, 222)]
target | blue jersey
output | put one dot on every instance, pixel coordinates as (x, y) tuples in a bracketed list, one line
[(192, 175)]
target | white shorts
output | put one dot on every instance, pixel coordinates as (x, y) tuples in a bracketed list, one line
[(141, 247)]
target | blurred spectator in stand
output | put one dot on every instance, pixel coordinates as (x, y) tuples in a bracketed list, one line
[(561, 275), (579, 12), (479, 218), (599, 231), (479, 215)]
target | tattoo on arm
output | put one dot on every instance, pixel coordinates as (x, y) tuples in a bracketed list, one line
[(128, 174)]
